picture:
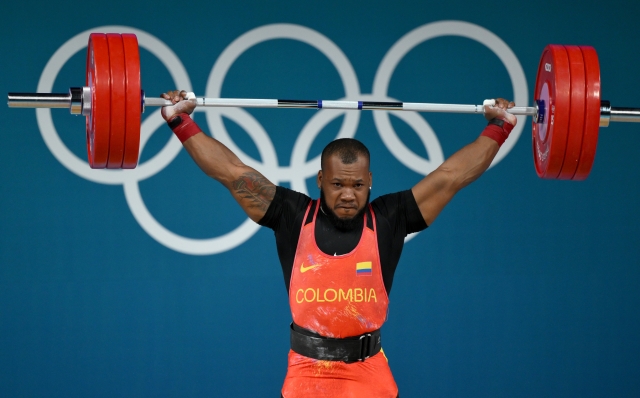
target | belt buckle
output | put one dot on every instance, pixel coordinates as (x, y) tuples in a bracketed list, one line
[(365, 347)]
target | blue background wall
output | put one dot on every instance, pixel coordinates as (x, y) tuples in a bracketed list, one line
[(522, 287)]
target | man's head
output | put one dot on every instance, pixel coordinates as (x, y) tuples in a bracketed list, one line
[(344, 181)]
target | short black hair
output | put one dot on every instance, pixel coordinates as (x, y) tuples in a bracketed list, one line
[(348, 149)]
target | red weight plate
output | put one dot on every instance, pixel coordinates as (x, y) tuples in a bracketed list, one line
[(133, 102), (553, 86), (576, 115), (592, 113), (116, 62), (98, 80)]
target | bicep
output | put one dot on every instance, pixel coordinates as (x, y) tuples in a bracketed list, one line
[(437, 189), (433, 193), (253, 191), (250, 189)]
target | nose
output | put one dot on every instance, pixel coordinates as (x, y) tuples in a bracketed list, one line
[(348, 195)]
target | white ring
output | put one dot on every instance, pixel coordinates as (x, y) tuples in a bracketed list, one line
[(420, 35), (263, 142)]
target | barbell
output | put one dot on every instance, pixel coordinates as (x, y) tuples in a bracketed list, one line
[(567, 111)]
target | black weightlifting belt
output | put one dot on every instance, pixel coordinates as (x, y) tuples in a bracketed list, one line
[(351, 349)]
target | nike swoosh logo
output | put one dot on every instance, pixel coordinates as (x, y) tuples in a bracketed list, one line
[(305, 269)]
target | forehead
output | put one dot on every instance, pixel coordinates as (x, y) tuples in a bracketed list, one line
[(334, 168)]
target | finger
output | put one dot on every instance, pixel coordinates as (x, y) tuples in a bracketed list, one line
[(168, 95), (512, 104), (491, 111), (172, 96)]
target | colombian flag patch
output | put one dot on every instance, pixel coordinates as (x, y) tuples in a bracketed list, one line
[(363, 269)]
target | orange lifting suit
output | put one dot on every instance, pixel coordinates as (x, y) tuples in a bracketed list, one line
[(338, 297)]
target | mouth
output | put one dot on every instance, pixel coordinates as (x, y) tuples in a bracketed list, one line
[(345, 211)]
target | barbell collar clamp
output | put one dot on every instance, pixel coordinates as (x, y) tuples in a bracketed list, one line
[(541, 111), (605, 113)]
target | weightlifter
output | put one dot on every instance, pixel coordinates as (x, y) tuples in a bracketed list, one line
[(339, 253)]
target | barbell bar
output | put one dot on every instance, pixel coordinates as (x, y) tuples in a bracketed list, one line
[(567, 109), (78, 101)]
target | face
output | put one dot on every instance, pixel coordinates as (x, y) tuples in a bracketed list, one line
[(345, 186)]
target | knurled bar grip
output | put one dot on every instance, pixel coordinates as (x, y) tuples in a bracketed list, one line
[(354, 105)]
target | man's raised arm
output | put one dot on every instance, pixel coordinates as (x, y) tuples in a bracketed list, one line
[(251, 189), (434, 191)]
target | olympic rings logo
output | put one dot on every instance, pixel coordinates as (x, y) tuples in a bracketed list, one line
[(300, 169)]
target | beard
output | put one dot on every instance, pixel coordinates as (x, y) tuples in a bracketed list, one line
[(342, 223)]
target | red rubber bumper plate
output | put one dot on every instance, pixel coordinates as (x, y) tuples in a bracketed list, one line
[(98, 79), (117, 125), (553, 86), (133, 102), (576, 115), (592, 113)]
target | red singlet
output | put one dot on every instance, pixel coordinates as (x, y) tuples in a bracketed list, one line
[(338, 296)]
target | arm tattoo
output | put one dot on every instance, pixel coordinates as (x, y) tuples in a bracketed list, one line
[(256, 188)]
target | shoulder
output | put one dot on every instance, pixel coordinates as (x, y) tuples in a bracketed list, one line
[(393, 202), (285, 206), (399, 208), (291, 199)]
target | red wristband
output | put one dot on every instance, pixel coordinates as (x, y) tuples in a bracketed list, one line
[(183, 126), (498, 131)]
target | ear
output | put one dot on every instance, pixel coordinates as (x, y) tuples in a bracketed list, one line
[(319, 179), (370, 180)]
